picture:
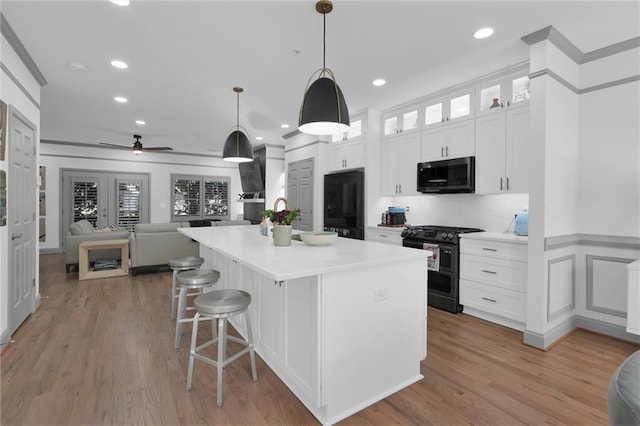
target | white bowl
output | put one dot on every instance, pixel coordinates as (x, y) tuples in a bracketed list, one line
[(322, 238)]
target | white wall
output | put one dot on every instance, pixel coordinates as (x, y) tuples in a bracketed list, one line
[(159, 166), (13, 95), (609, 155), (493, 213)]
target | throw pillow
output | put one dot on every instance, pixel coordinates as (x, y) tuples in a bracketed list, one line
[(82, 227)]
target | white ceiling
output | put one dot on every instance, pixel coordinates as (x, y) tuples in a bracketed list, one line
[(186, 56)]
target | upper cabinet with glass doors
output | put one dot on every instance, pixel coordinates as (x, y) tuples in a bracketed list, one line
[(508, 92), (400, 121), (355, 131), (456, 107), (346, 150)]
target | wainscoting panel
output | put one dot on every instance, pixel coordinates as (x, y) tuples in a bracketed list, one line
[(607, 284), (561, 282)]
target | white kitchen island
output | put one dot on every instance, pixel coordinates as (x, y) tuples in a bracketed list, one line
[(343, 325)]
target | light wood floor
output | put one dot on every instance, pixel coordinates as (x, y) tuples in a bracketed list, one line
[(101, 352)]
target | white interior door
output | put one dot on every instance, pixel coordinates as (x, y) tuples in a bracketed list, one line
[(21, 198)]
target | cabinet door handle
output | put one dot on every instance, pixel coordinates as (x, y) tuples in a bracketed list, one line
[(489, 249), (507, 183), (508, 103), (399, 188), (383, 236), (16, 236), (489, 272), (501, 184), (446, 151), (489, 300), (443, 119), (501, 105), (441, 151), (447, 118)]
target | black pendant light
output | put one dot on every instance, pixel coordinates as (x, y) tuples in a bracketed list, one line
[(323, 110), (237, 148)]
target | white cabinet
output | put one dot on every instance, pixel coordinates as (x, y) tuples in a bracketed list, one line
[(269, 324), (448, 140), (346, 150), (448, 130), (387, 235), (346, 155), (400, 121), (399, 164), (506, 92), (281, 312), (493, 278), (287, 312), (502, 141)]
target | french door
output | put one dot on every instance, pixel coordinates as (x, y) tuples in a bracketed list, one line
[(104, 198)]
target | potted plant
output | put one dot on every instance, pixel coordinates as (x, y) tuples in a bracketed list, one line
[(281, 222)]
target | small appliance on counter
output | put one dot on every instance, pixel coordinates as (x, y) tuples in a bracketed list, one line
[(521, 226), (394, 216)]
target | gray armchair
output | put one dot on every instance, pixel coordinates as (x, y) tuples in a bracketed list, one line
[(83, 231)]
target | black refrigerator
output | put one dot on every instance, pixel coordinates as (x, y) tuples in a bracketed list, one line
[(344, 203)]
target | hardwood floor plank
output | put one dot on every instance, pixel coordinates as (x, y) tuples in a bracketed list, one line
[(101, 352)]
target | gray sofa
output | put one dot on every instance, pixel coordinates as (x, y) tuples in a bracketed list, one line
[(83, 230), (623, 393), (151, 245)]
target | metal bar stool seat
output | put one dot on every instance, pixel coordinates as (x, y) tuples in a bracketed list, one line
[(195, 279), (181, 264), (220, 305)]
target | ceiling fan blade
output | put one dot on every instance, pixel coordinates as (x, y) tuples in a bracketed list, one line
[(157, 148), (115, 146)]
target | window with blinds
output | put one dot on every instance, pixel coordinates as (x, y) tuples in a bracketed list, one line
[(129, 205), (85, 201), (199, 197)]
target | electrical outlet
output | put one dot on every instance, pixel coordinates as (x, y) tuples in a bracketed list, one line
[(380, 294), (407, 209)]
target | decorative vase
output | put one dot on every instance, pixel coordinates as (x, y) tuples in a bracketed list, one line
[(495, 104), (281, 235)]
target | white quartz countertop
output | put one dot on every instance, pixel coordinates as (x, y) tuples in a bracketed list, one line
[(248, 247), (496, 236)]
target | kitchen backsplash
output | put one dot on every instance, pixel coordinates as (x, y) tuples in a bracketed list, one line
[(489, 212)]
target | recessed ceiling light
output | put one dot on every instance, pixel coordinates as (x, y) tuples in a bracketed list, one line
[(120, 99), (483, 33), (379, 82), (119, 64), (141, 122), (120, 2), (284, 126), (258, 138)]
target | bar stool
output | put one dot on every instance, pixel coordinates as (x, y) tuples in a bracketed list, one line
[(181, 264), (196, 279), (220, 305)]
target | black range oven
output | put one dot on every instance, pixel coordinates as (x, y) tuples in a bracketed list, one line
[(444, 266)]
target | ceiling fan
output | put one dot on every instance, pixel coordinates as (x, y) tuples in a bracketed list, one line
[(137, 146)]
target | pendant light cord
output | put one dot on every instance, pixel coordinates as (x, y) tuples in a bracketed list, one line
[(238, 111), (324, 40)]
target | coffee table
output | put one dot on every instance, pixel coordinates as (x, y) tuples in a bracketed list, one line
[(83, 258)]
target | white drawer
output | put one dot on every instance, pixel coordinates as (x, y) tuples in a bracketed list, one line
[(503, 273), (385, 236), (504, 303), (499, 249)]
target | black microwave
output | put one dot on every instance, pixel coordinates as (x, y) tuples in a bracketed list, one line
[(454, 176)]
